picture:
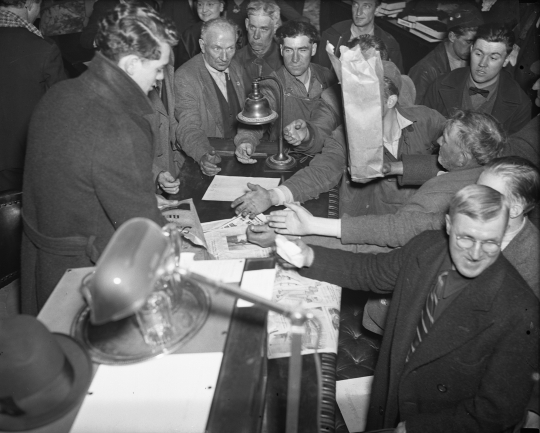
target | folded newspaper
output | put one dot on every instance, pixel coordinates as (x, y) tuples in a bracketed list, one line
[(322, 299)]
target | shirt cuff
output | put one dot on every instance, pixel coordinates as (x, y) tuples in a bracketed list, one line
[(284, 195)]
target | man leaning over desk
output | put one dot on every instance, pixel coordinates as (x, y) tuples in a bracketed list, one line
[(460, 349), (209, 91)]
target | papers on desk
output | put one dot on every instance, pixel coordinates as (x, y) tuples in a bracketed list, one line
[(229, 188), (321, 299), (352, 397), (169, 394), (232, 243)]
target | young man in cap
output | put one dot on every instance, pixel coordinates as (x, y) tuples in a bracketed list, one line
[(90, 152), (484, 86), (450, 54), (460, 349), (362, 23)]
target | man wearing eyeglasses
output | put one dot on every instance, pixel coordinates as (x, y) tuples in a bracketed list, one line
[(460, 349)]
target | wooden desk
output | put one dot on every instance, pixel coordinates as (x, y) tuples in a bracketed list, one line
[(194, 185)]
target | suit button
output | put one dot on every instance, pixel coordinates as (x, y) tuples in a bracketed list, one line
[(381, 410), (442, 388)]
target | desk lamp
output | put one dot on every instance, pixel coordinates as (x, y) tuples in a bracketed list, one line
[(138, 254), (257, 111)]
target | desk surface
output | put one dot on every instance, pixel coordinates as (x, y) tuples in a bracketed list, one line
[(193, 183)]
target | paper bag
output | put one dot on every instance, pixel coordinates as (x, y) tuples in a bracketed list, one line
[(361, 78)]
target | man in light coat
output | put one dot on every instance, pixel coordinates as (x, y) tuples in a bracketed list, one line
[(209, 92)]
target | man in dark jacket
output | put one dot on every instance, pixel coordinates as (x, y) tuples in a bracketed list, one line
[(460, 349), (30, 65), (90, 152), (450, 54), (484, 86), (362, 23)]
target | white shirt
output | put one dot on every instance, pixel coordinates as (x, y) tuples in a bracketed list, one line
[(393, 145), (220, 77)]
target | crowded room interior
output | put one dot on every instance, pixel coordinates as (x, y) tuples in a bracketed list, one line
[(269, 216)]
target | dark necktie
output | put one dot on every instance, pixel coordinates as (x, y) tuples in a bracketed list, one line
[(476, 91), (428, 314)]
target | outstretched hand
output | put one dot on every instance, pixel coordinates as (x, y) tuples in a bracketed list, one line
[(296, 132), (295, 220), (261, 235), (253, 202)]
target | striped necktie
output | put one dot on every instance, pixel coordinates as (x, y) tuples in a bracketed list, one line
[(428, 314)]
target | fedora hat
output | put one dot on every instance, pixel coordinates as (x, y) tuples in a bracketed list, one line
[(42, 375)]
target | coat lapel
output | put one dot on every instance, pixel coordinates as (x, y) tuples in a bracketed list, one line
[(451, 89), (238, 82), (210, 96), (463, 319), (507, 101), (411, 302)]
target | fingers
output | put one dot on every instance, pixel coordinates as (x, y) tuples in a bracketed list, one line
[(210, 169), (297, 208)]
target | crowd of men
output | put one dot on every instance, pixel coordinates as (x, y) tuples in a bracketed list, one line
[(447, 241)]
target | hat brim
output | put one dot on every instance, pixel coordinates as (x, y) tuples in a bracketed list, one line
[(81, 363)]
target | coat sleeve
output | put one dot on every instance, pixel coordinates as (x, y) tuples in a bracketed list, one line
[(521, 117), (505, 387), (324, 120), (377, 273), (422, 76), (189, 133), (322, 174)]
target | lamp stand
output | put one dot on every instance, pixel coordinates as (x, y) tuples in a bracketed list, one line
[(298, 318)]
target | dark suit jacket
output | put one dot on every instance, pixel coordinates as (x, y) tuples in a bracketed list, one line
[(29, 66), (512, 107), (473, 370)]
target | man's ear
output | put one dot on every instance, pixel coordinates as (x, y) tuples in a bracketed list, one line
[(247, 23), (281, 49), (506, 60), (448, 224), (313, 49), (203, 47), (516, 209), (392, 101), (129, 63), (452, 37), (221, 7)]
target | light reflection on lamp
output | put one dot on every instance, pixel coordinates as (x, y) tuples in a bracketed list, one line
[(257, 111), (142, 253)]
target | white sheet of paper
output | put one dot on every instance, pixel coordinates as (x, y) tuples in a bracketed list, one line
[(259, 282), (229, 188), (228, 271), (352, 396), (169, 394)]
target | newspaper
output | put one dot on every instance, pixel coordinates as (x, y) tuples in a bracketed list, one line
[(232, 243), (323, 300), (233, 222)]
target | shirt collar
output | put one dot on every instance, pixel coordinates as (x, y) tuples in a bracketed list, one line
[(490, 88), (403, 122), (213, 70), (355, 32), (9, 19)]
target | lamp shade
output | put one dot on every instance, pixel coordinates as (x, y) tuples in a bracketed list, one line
[(127, 271), (257, 109)]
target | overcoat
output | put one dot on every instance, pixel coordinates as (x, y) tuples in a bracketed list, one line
[(473, 372), (89, 169)]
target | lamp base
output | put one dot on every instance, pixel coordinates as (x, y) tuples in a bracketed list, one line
[(287, 162)]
